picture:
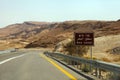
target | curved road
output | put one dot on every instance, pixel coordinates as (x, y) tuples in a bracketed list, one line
[(30, 65)]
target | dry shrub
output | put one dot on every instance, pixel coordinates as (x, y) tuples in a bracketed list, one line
[(116, 59), (106, 59), (72, 49), (88, 57), (113, 76)]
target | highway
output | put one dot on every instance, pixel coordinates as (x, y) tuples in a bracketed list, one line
[(33, 65)]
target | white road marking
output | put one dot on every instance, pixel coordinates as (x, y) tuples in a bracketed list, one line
[(11, 59)]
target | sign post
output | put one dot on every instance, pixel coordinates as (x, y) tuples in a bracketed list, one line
[(91, 53), (85, 39)]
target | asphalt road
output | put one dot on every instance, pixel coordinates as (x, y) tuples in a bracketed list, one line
[(30, 65)]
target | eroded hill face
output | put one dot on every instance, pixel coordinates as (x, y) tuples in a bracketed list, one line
[(61, 31), (42, 34), (16, 35), (24, 30)]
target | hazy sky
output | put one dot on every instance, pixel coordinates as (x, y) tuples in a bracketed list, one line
[(18, 11)]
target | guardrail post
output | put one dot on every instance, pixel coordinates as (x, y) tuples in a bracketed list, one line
[(77, 64), (80, 66), (96, 72), (99, 73), (72, 63), (68, 61), (91, 58)]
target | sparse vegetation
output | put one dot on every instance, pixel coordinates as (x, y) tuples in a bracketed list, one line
[(113, 76), (88, 57), (117, 59), (106, 59), (74, 50), (86, 68)]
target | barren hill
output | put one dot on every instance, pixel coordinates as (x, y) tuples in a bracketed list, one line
[(24, 30), (64, 30), (45, 34), (16, 35)]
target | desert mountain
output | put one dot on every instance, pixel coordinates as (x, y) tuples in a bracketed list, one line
[(24, 30), (45, 34), (16, 35), (60, 31)]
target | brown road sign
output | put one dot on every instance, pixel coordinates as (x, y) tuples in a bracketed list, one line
[(84, 39)]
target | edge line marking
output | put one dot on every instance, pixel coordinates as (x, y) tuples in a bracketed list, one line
[(9, 59), (60, 68)]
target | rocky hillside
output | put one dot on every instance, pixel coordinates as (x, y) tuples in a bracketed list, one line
[(64, 30), (44, 34), (24, 30), (16, 35)]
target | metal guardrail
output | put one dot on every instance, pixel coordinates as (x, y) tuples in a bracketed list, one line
[(98, 65)]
